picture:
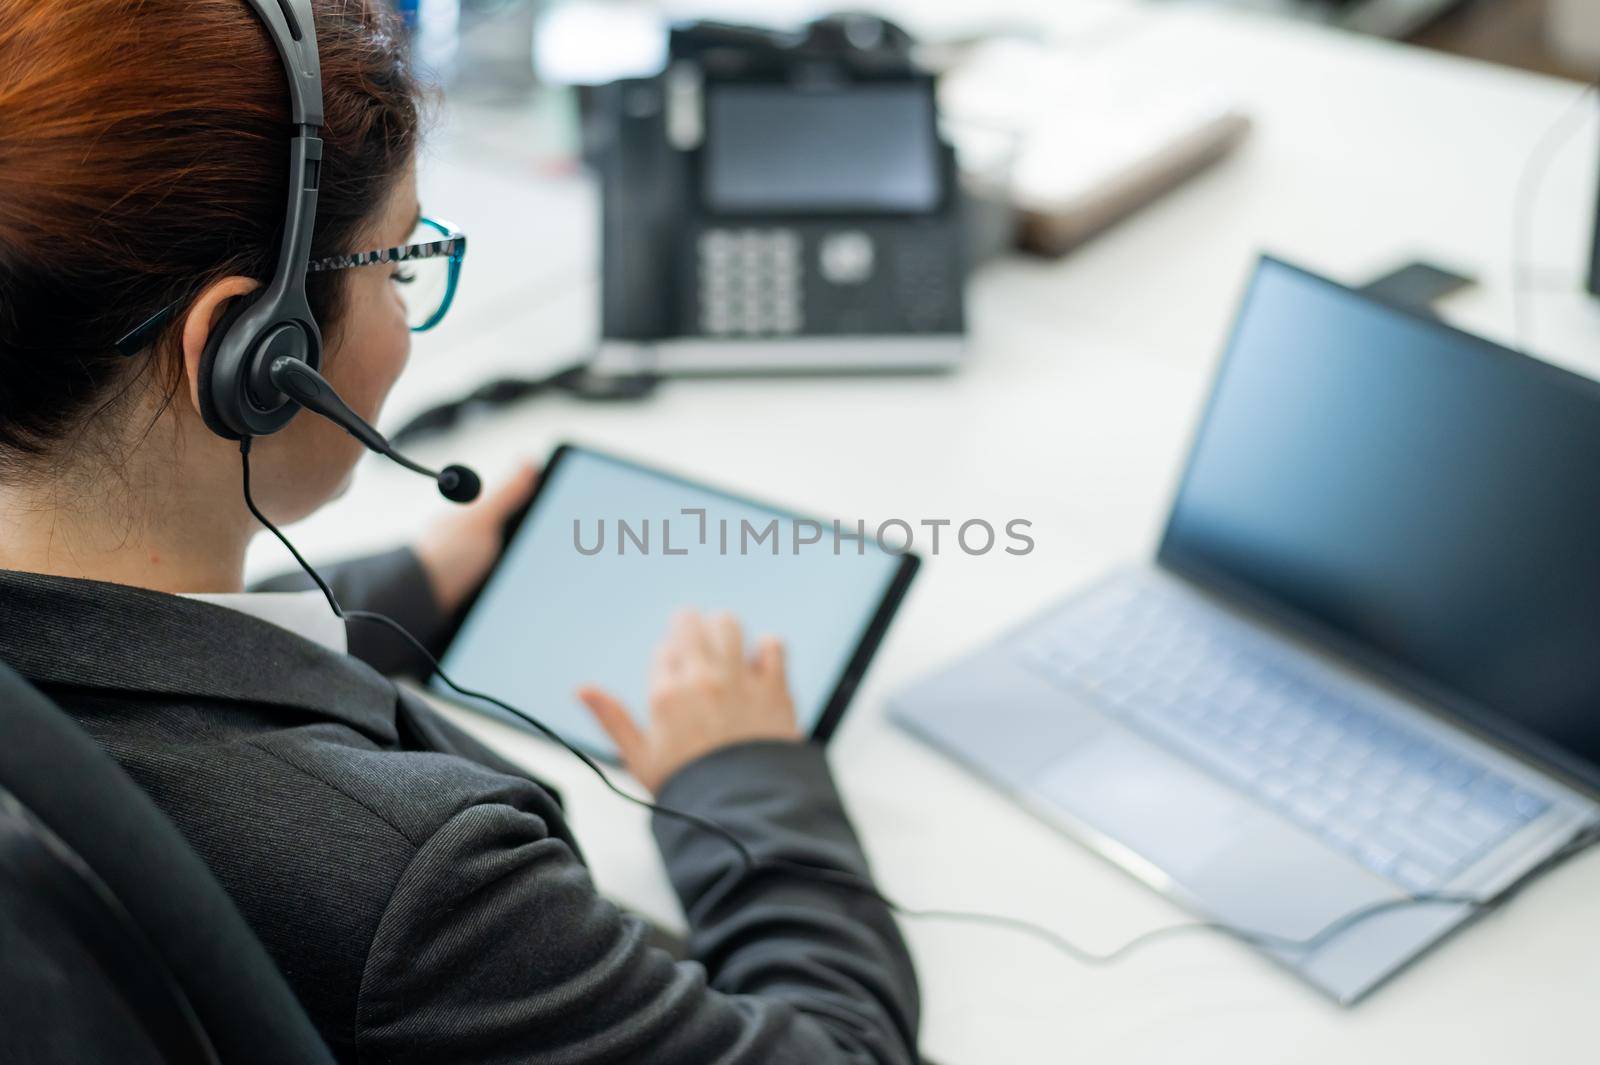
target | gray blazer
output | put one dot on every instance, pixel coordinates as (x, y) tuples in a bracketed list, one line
[(426, 899)]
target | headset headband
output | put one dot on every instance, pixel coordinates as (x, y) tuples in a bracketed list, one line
[(237, 396), (289, 24)]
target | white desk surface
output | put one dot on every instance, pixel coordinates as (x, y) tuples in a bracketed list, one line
[(1085, 378)]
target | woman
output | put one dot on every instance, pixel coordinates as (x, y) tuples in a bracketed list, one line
[(426, 900)]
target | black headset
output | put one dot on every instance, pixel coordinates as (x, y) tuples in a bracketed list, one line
[(261, 362)]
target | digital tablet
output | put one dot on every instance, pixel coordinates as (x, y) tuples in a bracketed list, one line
[(608, 549)]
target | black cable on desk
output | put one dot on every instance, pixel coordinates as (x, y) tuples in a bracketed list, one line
[(578, 380)]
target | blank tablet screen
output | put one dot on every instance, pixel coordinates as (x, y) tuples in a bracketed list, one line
[(607, 553)]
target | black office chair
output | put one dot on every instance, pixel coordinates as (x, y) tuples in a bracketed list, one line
[(116, 944)]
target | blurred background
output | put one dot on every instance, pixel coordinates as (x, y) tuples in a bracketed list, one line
[(1065, 117), (1550, 36)]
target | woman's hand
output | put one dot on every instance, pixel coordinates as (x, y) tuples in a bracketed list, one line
[(704, 694), (458, 551)]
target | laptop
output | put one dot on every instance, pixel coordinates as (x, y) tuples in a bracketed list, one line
[(1365, 663)]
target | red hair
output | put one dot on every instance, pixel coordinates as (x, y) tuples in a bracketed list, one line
[(142, 156)]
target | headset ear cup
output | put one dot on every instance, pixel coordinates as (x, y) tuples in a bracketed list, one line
[(215, 419)]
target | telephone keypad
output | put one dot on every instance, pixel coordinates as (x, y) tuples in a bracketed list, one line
[(750, 281)]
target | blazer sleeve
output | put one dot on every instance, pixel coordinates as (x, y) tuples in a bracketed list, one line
[(391, 583), (496, 949)]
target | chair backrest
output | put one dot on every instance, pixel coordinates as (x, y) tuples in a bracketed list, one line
[(116, 943)]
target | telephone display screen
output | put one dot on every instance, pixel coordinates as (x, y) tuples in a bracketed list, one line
[(778, 149)]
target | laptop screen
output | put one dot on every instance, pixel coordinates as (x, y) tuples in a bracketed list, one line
[(1427, 500)]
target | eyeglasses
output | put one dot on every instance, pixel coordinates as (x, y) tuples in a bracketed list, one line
[(427, 272)]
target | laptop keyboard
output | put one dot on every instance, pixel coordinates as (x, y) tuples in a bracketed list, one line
[(1326, 757)]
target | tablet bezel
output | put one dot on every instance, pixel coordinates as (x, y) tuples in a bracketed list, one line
[(856, 664)]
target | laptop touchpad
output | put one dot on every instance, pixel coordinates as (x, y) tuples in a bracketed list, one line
[(1169, 813)]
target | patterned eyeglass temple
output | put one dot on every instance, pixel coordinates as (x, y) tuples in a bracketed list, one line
[(452, 243)]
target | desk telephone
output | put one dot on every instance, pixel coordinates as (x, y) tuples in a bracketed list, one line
[(777, 202)]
